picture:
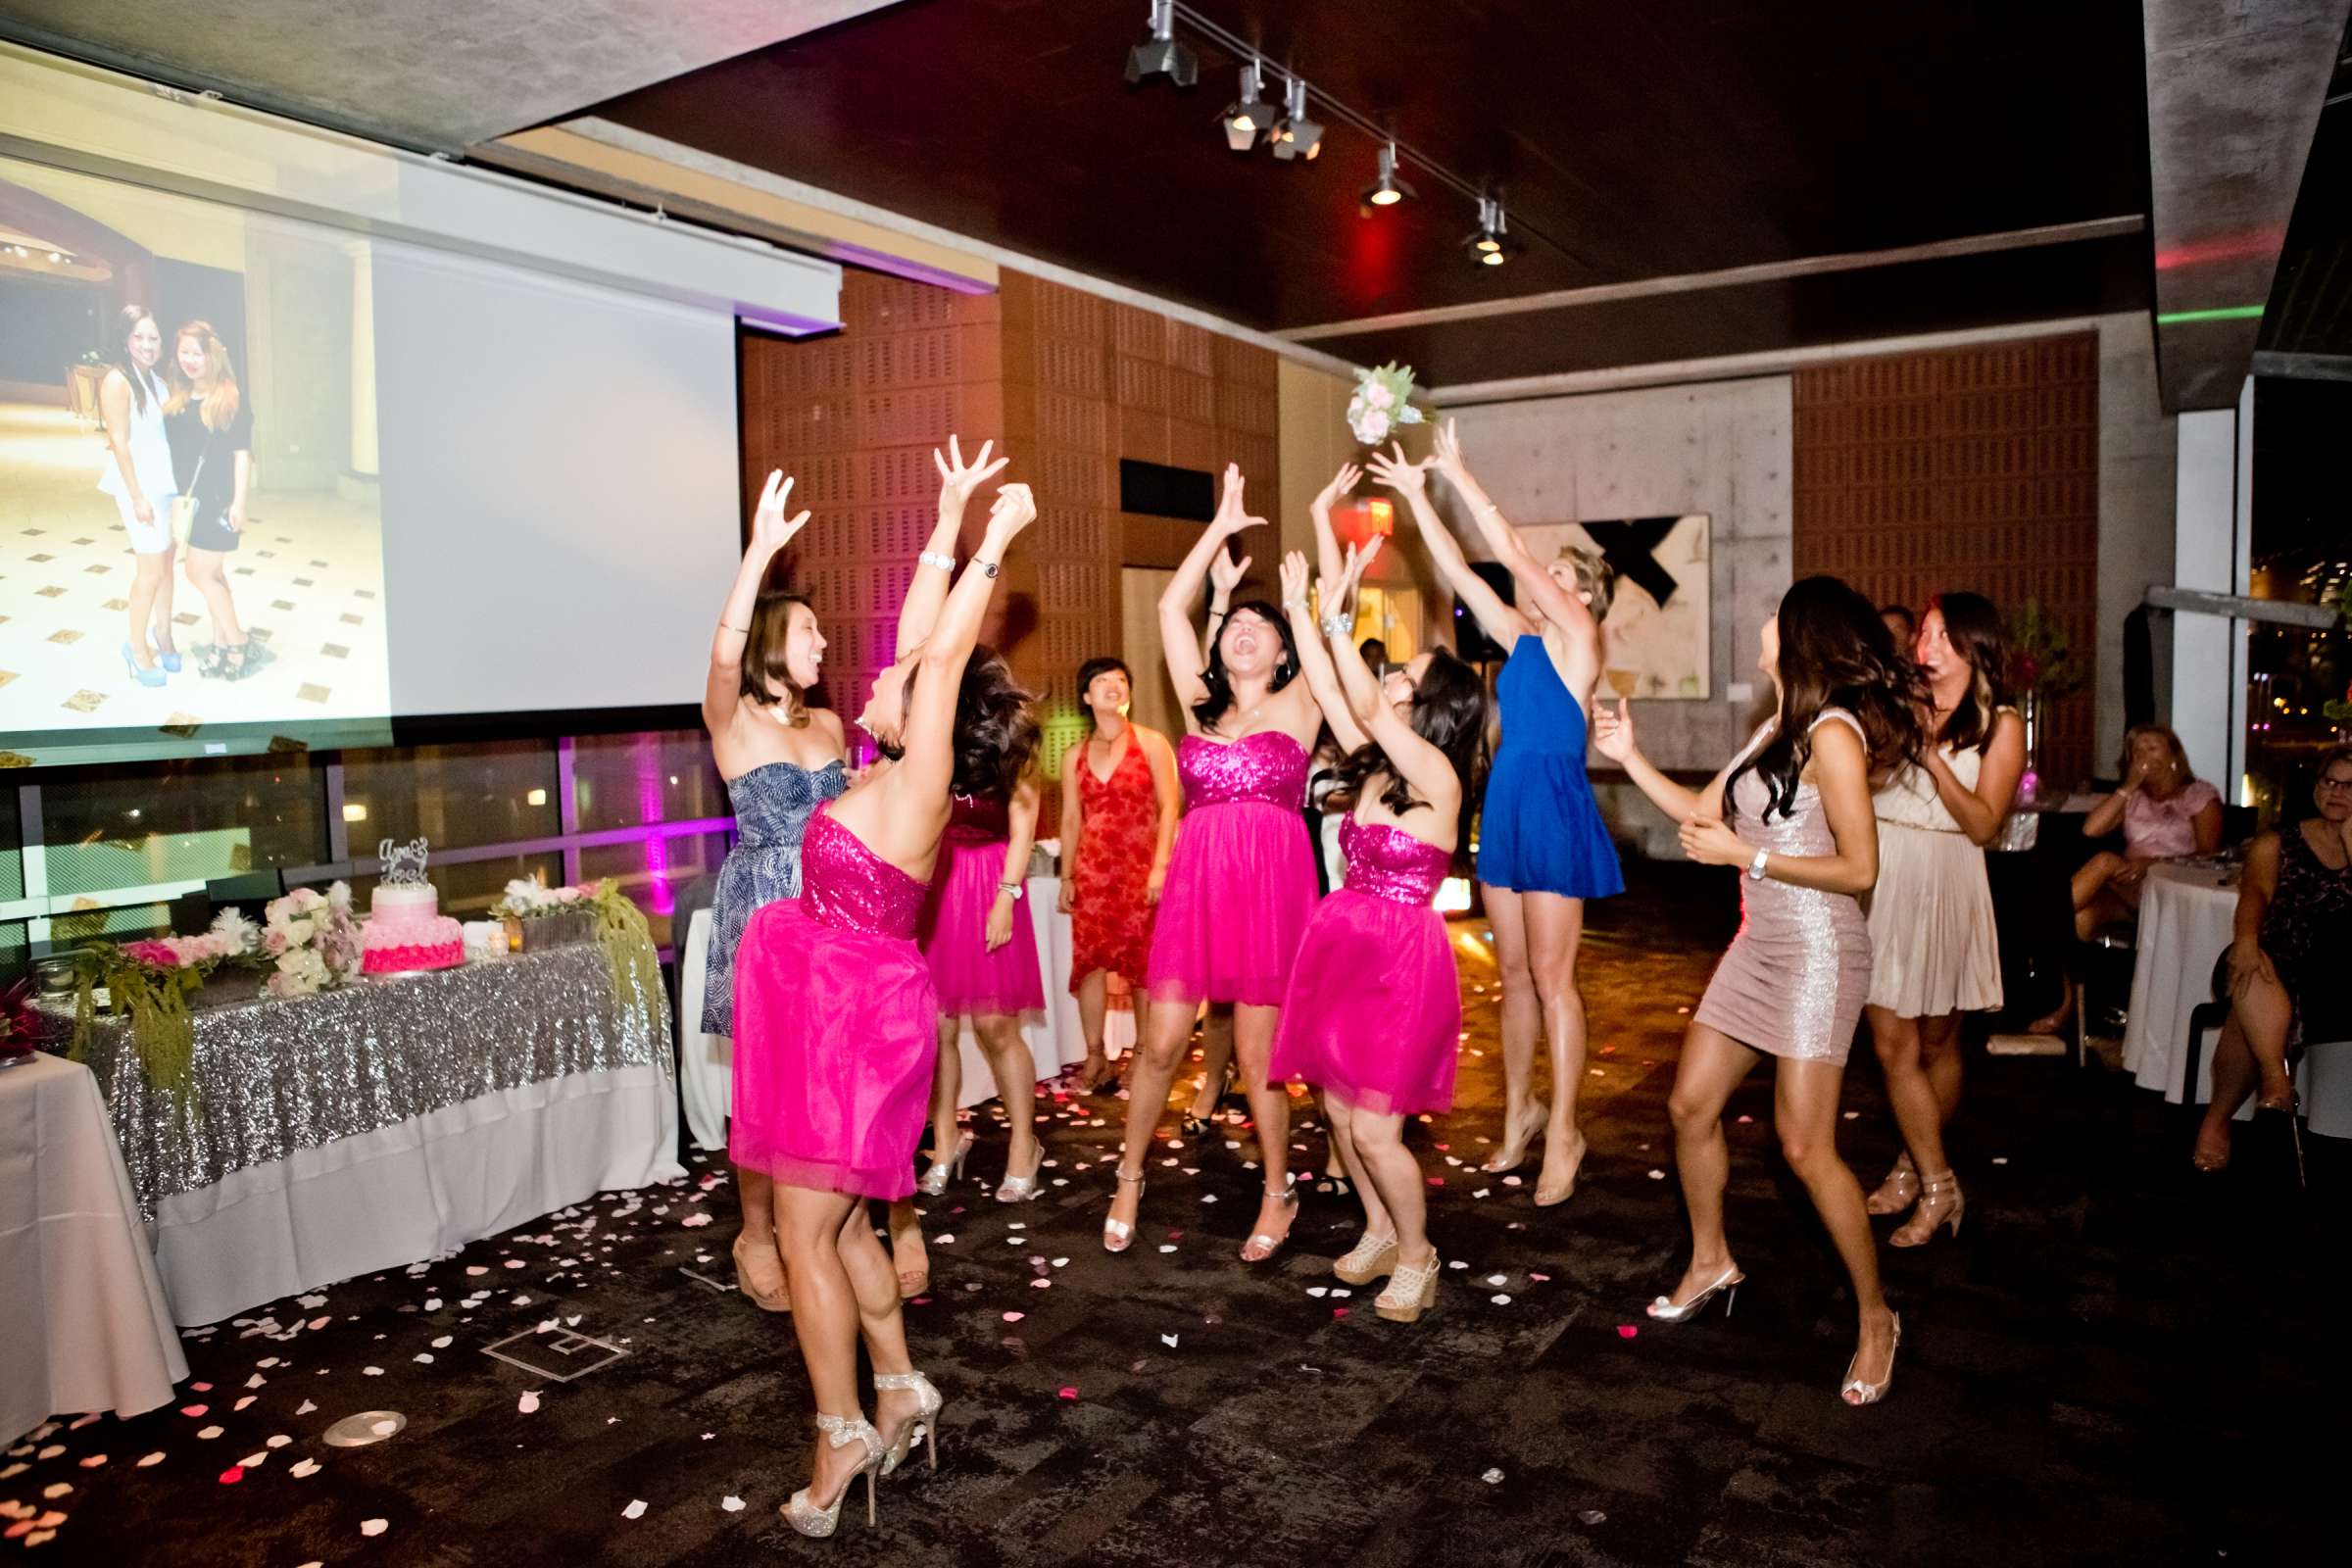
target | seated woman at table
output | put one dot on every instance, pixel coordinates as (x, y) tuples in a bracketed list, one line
[(780, 759), (2294, 924), (836, 1021), (2166, 811)]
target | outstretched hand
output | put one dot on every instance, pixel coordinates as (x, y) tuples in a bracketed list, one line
[(1338, 597), (1449, 458), (1340, 484), (1294, 580), (1390, 468), (1230, 515), (1226, 572), (1015, 508), (1613, 733), (958, 479), (772, 529)]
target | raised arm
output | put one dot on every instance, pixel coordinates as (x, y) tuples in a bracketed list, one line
[(1981, 810), (1022, 816), (1330, 562), (936, 567), (1840, 768), (1225, 574), (1182, 654), (1553, 603), (1314, 662), (928, 759), (1427, 771), (771, 531), (1410, 480), (1613, 738)]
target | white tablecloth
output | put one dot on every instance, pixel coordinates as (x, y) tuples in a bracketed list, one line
[(708, 1063), (2187, 915), (87, 1328)]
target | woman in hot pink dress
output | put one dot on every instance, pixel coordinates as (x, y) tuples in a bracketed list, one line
[(1242, 879), (1379, 1036), (837, 1024)]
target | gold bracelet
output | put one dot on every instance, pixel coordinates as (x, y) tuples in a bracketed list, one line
[(724, 625)]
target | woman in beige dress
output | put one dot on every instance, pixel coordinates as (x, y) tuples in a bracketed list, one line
[(1793, 810), (1934, 953)]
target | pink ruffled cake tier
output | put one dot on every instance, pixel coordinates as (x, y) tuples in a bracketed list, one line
[(401, 947)]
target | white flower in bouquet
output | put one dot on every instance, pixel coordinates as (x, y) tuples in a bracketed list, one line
[(1382, 403), (300, 973), (338, 898), (237, 934)]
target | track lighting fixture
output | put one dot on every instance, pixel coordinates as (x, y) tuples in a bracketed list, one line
[(1249, 116), (1492, 244), (1160, 54), (1294, 134), (1391, 187)]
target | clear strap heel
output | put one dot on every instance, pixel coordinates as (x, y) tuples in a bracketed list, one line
[(1665, 1310), (802, 1512), (1117, 1234), (1898, 1192), (1022, 1188), (940, 1172), (924, 1423), (1260, 1247), (1939, 1204)]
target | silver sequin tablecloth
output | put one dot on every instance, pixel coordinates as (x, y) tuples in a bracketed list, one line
[(274, 1076)]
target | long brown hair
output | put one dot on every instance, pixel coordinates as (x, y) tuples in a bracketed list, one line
[(1835, 652), (765, 679), (1973, 629), (217, 392)]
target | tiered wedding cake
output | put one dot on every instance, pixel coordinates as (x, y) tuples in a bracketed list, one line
[(405, 928)]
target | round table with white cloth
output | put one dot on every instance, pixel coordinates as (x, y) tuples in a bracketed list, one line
[(88, 1325), (2186, 919), (708, 1063)]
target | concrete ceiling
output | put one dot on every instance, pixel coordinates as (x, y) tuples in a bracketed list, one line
[(2235, 95), (430, 75)]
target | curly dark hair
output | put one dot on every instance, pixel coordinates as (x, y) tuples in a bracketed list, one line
[(1835, 652), (996, 732), (1450, 711), (1974, 628), (1220, 686)]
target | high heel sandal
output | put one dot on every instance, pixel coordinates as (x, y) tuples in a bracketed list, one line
[(1022, 1188), (1939, 1204), (1853, 1391), (1367, 1260), (924, 1422), (1250, 1252), (147, 675), (2292, 1110), (1898, 1192), (1547, 1198), (1117, 1234), (801, 1510), (1665, 1310), (1504, 1160), (778, 1299), (1198, 1126), (940, 1172), (1412, 1291)]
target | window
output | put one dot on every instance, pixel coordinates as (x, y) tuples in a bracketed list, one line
[(453, 796), (660, 776), (105, 829), (2302, 553)]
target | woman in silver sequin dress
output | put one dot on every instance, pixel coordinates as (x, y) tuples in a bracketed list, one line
[(780, 759), (1793, 811)]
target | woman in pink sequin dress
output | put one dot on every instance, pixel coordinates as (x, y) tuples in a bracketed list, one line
[(835, 1002), (1372, 1014), (1241, 878), (1794, 812)]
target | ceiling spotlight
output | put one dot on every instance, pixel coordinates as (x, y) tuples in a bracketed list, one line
[(1390, 188), (1161, 53), (54, 256), (1491, 245), (1296, 135), (1249, 116)]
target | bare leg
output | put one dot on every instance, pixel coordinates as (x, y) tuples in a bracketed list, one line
[(1908, 1088), (1015, 1072), (757, 1257), (880, 1321), (1158, 1050), (910, 1258), (825, 1319), (1217, 1053), (1939, 1056), (2251, 1054), (1712, 1065), (1270, 1108), (1094, 1008), (1343, 1143), (947, 1088), (151, 576), (203, 568), (1555, 928), (1389, 1168), (2088, 884), (1334, 1164), (1522, 1018), (165, 592), (1804, 1111)]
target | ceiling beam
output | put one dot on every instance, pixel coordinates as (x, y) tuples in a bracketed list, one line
[(2235, 95), (2014, 239)]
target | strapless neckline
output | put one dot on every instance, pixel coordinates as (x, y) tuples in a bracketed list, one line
[(762, 768)]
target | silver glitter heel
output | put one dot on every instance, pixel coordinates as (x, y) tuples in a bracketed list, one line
[(801, 1510), (924, 1422)]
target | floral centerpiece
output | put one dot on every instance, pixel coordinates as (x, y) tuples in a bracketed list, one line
[(149, 982), (310, 941), (540, 917), (19, 1033), (2042, 667), (603, 910), (1383, 403)]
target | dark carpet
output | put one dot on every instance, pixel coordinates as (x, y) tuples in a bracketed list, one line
[(2116, 1362)]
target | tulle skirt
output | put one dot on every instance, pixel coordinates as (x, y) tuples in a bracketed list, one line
[(836, 1032), (1374, 1008), (1240, 885), (1934, 946), (971, 979)]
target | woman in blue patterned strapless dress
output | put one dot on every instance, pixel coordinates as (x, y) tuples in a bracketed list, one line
[(780, 759), (1793, 810), (1542, 850)]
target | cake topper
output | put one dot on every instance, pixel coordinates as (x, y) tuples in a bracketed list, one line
[(404, 863)]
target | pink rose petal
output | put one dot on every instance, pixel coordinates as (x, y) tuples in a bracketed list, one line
[(232, 1475), (1014, 1317), (1626, 1331), (1069, 1393)]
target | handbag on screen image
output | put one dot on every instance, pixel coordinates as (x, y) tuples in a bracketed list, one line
[(184, 505)]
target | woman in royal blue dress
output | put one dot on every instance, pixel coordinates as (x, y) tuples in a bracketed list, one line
[(1541, 847)]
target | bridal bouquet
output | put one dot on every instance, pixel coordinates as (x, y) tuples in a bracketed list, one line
[(1382, 403), (310, 940)]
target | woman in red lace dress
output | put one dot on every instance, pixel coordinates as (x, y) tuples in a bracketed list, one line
[(1119, 805)]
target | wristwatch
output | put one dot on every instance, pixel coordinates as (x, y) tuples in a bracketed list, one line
[(1755, 867)]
